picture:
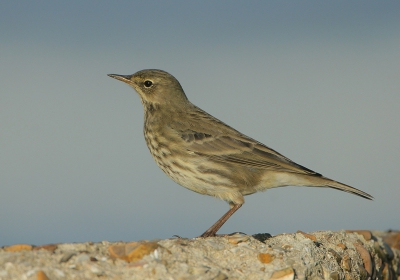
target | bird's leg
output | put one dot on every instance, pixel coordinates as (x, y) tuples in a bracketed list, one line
[(215, 227)]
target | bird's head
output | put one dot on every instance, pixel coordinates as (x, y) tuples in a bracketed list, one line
[(155, 87)]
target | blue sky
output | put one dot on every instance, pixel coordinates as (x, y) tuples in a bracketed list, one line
[(316, 81)]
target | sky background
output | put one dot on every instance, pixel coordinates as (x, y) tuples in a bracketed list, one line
[(318, 81)]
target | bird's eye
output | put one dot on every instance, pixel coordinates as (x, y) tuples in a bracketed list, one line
[(148, 83)]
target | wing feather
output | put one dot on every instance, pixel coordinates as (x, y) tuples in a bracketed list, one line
[(219, 142)]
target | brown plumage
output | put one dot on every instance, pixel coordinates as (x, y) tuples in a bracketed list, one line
[(205, 155)]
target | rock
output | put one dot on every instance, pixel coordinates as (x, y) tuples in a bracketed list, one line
[(365, 233), (82, 258), (316, 255), (48, 247), (133, 251), (366, 258), (283, 274), (346, 263), (41, 275), (237, 238), (262, 236), (265, 258), (309, 236), (392, 238), (18, 247), (67, 256)]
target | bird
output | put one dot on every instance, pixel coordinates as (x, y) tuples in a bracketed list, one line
[(207, 156)]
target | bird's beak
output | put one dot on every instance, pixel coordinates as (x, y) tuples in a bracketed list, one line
[(122, 78)]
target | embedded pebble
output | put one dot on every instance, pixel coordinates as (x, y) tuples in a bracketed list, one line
[(365, 233), (366, 258), (237, 238), (389, 252), (59, 273), (48, 247), (41, 275), (95, 269), (309, 236), (82, 258), (132, 251), (337, 256), (392, 238), (67, 256), (265, 258), (283, 274), (18, 247), (346, 263)]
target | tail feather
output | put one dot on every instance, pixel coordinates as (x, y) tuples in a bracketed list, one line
[(346, 188), (281, 179)]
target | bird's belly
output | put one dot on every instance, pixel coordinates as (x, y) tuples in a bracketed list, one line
[(199, 175), (195, 172)]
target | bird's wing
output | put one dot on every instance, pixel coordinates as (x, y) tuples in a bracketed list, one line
[(220, 142)]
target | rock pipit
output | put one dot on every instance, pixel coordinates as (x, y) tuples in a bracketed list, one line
[(203, 154)]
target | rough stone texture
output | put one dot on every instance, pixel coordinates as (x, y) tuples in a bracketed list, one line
[(316, 255)]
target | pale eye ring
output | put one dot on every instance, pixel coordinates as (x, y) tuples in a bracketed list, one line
[(148, 83)]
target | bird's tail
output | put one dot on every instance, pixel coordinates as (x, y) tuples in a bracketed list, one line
[(281, 179), (329, 183)]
